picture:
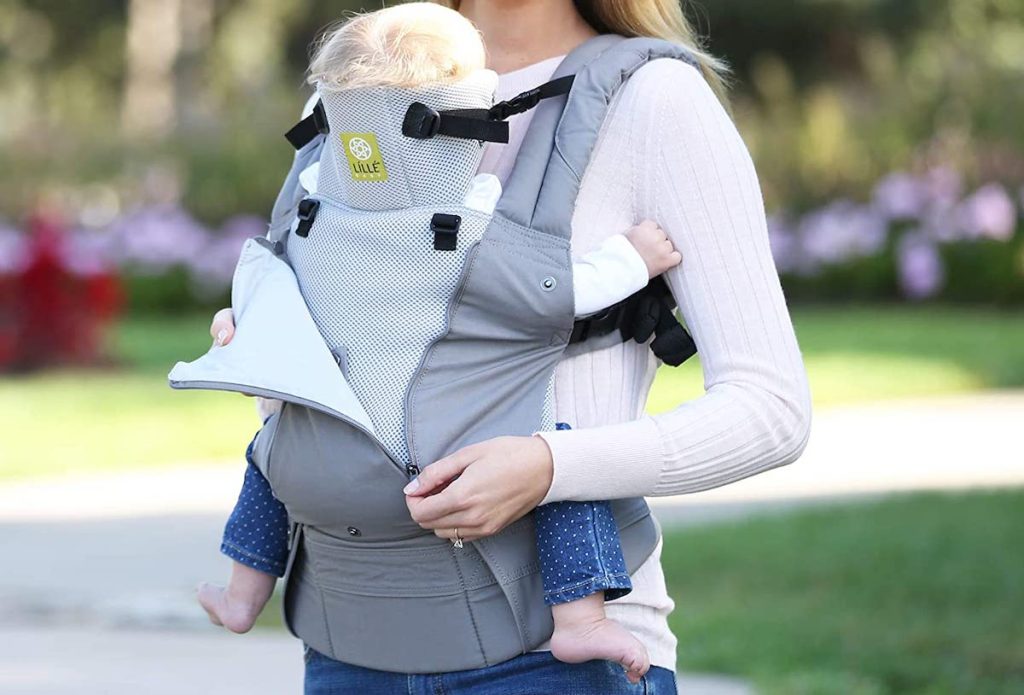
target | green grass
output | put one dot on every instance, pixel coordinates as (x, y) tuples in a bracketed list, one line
[(916, 594), (126, 417), (857, 354), (65, 421)]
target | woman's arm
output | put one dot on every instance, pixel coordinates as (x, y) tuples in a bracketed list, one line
[(695, 177)]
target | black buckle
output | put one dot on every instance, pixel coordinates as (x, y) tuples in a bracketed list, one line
[(446, 231), (597, 325), (517, 104), (421, 122), (308, 208)]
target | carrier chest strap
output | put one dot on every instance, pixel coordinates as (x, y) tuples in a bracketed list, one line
[(486, 125), (422, 122)]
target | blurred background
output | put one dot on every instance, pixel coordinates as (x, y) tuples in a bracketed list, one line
[(140, 144)]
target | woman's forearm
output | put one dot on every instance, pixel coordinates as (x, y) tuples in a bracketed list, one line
[(700, 185)]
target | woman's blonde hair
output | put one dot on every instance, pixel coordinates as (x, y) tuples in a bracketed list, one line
[(406, 45), (660, 19)]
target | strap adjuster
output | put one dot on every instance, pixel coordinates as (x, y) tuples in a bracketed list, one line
[(320, 118), (308, 208), (446, 231), (421, 122), (304, 132)]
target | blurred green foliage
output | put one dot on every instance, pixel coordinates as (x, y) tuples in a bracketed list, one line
[(830, 94)]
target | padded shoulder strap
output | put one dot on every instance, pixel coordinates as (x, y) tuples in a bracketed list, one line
[(542, 189)]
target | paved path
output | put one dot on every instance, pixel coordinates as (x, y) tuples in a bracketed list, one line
[(65, 541)]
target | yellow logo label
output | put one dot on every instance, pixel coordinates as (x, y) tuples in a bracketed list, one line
[(364, 160)]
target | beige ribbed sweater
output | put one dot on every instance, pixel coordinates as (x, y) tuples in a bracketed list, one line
[(669, 152)]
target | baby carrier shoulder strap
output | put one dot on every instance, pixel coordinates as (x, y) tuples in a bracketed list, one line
[(542, 189)]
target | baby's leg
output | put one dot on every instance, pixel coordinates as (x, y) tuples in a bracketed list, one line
[(581, 567), (256, 538)]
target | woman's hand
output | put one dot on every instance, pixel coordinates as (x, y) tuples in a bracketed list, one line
[(222, 329), (482, 488)]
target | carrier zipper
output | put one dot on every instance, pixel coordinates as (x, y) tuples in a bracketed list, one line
[(413, 468), (454, 302), (277, 395)]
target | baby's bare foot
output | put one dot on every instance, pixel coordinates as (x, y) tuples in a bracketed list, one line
[(237, 606), (582, 635)]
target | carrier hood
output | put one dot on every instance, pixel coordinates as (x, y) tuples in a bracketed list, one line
[(370, 165)]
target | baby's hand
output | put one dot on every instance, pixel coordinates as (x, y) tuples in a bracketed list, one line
[(654, 248)]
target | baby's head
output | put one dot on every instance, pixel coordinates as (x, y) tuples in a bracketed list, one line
[(407, 45)]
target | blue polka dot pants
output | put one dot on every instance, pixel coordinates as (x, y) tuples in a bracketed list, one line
[(256, 534), (580, 552)]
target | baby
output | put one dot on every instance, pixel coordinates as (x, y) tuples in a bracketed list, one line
[(409, 46)]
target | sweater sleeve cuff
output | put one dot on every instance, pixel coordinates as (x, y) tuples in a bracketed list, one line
[(609, 462)]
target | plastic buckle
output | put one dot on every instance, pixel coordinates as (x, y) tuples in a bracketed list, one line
[(517, 104), (446, 231), (421, 122), (307, 215)]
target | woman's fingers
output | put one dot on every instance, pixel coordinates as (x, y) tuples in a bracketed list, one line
[(428, 511), (222, 329), (439, 473)]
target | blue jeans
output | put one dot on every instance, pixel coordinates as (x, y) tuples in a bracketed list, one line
[(577, 542), (534, 673)]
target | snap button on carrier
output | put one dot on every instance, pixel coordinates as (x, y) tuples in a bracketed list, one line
[(353, 531)]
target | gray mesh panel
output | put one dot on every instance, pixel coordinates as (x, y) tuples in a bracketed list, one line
[(547, 416), (379, 293)]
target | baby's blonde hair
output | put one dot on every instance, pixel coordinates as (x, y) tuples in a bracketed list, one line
[(407, 45)]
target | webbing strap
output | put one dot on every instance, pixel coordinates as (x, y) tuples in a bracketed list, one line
[(303, 132), (649, 311), (422, 122), (487, 125), (531, 97)]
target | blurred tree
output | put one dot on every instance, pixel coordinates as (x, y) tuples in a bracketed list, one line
[(151, 55)]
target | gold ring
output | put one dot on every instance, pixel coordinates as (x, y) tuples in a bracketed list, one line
[(458, 539)]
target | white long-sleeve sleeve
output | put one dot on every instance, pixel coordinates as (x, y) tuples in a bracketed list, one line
[(690, 171), (607, 275)]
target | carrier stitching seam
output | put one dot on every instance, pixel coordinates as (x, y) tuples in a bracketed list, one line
[(312, 559), (323, 601), (511, 251), (429, 353), (401, 155), (469, 607)]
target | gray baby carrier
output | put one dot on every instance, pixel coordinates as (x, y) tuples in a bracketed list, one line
[(399, 325)]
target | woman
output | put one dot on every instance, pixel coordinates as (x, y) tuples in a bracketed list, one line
[(668, 152)]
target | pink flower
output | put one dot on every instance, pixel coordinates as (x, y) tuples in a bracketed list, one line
[(900, 196), (13, 250), (988, 213), (921, 272)]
